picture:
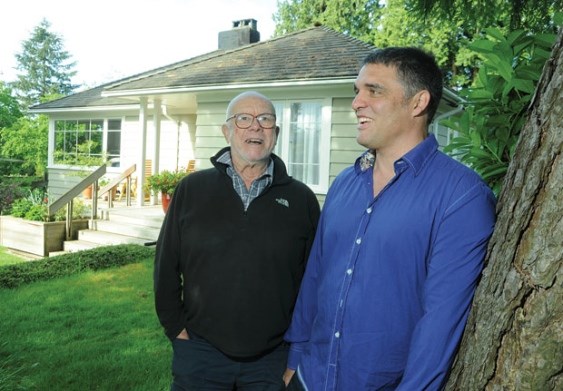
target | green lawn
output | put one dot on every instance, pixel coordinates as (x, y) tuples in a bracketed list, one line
[(7, 258), (91, 331)]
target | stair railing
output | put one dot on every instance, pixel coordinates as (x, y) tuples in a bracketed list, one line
[(68, 198), (124, 176)]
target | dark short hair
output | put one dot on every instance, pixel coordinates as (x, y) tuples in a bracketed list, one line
[(416, 69)]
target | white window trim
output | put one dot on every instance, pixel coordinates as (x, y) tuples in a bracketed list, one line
[(324, 146), (52, 131)]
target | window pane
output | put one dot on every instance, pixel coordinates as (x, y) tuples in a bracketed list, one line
[(80, 142), (114, 148), (71, 125), (304, 142), (97, 125), (114, 124)]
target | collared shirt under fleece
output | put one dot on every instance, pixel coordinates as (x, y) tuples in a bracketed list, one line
[(389, 283), (231, 275), (257, 186)]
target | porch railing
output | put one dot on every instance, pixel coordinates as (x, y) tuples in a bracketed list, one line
[(124, 176), (67, 198)]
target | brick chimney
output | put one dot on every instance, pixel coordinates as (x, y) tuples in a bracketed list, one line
[(244, 32)]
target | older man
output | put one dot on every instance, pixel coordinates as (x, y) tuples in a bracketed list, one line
[(230, 258)]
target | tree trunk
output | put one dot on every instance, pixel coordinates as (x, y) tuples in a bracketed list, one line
[(514, 336)]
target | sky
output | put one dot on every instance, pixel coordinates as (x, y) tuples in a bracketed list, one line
[(111, 39)]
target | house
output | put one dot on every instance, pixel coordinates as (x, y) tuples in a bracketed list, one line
[(173, 114)]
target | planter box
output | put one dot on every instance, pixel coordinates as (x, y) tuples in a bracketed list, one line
[(36, 237)]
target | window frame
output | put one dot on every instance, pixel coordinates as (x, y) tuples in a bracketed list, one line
[(284, 121), (90, 120)]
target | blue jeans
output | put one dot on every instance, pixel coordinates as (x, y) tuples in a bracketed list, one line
[(197, 365)]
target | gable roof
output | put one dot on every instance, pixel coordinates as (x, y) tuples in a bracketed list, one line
[(313, 54), (317, 53)]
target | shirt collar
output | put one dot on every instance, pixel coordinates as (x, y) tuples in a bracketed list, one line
[(225, 158), (416, 157)]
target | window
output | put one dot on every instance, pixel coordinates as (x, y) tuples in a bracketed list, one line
[(87, 142), (302, 142)]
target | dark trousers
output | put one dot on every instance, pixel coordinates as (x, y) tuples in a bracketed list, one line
[(197, 365)]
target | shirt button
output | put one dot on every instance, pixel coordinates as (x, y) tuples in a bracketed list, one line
[(349, 271), (359, 240), (337, 334), (368, 210)]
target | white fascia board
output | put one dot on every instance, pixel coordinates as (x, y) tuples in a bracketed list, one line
[(82, 109), (160, 91)]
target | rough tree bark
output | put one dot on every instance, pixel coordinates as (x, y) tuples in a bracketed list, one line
[(514, 336)]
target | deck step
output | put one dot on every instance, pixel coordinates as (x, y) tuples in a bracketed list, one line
[(71, 246), (129, 225), (105, 238), (118, 228)]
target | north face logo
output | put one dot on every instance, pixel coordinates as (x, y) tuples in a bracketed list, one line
[(283, 201)]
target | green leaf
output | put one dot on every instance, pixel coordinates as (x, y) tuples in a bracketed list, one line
[(523, 85), (495, 170), (514, 37), (546, 39), (495, 33), (505, 70), (480, 94), (481, 153), (482, 46)]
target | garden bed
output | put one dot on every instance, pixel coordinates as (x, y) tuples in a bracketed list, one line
[(36, 237)]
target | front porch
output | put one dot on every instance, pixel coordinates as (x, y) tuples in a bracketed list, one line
[(120, 224)]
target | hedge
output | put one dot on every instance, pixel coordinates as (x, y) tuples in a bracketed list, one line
[(13, 276)]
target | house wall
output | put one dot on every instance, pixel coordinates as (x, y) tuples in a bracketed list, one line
[(61, 180), (343, 146), (177, 142), (208, 136), (177, 136), (344, 149), (189, 136)]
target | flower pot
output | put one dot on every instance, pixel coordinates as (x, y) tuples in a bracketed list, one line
[(87, 193), (165, 201)]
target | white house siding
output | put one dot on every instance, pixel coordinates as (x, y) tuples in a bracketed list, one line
[(176, 142), (60, 181), (209, 137), (344, 149)]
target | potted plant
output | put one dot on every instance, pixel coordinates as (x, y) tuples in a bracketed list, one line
[(165, 182)]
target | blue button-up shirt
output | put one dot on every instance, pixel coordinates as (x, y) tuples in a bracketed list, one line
[(390, 279)]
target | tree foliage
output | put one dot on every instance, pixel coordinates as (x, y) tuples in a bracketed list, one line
[(9, 107), (496, 103), (44, 67), (26, 140), (534, 16), (443, 27), (353, 17)]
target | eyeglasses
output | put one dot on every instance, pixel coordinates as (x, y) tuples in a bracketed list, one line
[(244, 121)]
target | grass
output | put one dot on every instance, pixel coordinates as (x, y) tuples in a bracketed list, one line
[(90, 331), (7, 258)]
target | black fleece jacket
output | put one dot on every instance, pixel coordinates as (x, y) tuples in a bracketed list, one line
[(231, 276)]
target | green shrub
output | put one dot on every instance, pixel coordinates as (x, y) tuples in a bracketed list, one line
[(496, 107), (15, 187), (34, 208), (12, 276), (8, 193)]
